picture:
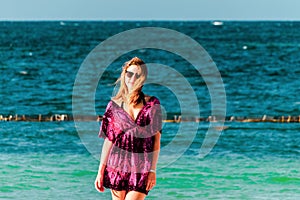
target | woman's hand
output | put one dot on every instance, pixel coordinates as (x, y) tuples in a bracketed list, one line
[(99, 182), (151, 181)]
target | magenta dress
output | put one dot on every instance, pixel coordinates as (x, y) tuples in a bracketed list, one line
[(131, 155)]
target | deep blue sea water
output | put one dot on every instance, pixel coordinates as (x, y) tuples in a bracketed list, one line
[(259, 66)]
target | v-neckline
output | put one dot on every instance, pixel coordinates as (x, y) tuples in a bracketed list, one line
[(134, 120)]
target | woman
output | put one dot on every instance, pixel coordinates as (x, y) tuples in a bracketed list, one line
[(131, 126)]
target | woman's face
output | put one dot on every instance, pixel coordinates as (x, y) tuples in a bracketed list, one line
[(132, 73)]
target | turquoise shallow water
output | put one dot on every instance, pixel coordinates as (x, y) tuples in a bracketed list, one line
[(40, 176), (258, 62), (250, 161)]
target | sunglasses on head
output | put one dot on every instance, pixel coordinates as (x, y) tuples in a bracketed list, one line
[(130, 74)]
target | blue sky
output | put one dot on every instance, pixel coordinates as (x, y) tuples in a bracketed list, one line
[(149, 10)]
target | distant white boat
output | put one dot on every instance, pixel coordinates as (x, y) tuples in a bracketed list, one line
[(217, 23)]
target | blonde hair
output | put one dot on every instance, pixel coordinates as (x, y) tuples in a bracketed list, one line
[(135, 96)]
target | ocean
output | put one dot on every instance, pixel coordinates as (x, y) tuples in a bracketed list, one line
[(258, 63)]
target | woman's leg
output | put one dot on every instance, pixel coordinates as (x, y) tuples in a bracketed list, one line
[(118, 195), (134, 195)]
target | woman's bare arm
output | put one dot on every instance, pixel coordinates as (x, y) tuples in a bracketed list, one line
[(151, 181), (103, 160), (156, 150), (104, 154)]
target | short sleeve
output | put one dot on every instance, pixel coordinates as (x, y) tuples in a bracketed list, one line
[(107, 125), (156, 116)]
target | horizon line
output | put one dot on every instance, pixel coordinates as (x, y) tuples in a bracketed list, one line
[(145, 20)]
